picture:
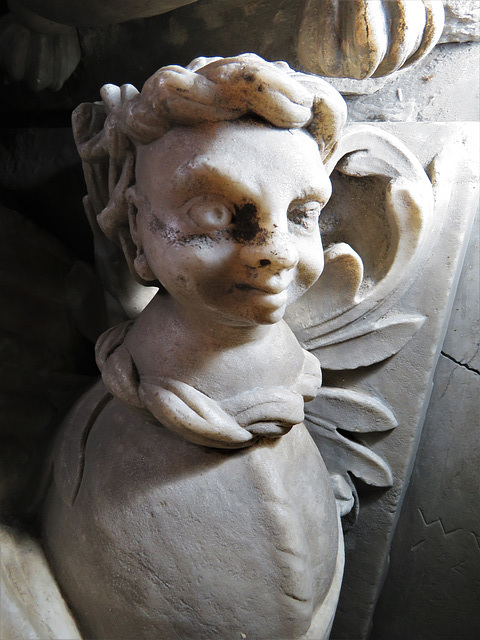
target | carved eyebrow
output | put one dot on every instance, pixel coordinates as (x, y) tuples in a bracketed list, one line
[(202, 173)]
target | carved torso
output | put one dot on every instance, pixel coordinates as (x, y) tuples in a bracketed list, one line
[(151, 536)]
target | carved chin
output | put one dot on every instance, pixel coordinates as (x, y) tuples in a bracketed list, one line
[(252, 308), (266, 315)]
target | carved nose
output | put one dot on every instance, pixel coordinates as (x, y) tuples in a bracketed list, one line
[(277, 253)]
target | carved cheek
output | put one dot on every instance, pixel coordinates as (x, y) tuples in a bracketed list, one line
[(208, 265)]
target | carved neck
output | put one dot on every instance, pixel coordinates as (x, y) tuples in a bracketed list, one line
[(170, 341), (165, 314), (214, 385)]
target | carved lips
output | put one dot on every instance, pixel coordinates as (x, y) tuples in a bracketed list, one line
[(272, 296)]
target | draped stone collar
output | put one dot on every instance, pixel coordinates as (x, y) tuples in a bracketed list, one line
[(233, 422)]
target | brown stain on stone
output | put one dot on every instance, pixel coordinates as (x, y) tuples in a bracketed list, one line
[(246, 224), (245, 229)]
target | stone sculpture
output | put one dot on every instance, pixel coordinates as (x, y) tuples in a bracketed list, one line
[(40, 45), (368, 38), (150, 534), (39, 41), (187, 498)]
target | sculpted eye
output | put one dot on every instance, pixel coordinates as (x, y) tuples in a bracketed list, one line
[(210, 214), (305, 215)]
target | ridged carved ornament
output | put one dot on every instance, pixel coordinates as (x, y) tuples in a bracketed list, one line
[(367, 38)]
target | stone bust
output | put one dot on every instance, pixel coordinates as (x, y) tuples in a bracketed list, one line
[(187, 498)]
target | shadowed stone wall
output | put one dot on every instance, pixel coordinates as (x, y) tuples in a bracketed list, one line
[(431, 590)]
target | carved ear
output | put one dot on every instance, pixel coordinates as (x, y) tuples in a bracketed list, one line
[(125, 288), (374, 228), (138, 264), (131, 198)]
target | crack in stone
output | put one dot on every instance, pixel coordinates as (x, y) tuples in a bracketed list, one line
[(477, 539), (461, 364)]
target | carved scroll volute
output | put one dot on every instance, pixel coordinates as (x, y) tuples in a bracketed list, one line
[(374, 233), (375, 228), (367, 38)]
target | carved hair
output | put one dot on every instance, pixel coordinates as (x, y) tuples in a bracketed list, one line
[(207, 90)]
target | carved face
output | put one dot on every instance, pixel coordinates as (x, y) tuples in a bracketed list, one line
[(228, 218)]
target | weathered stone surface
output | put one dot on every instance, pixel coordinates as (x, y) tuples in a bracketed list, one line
[(444, 88), (38, 48), (406, 271), (434, 575), (31, 605), (155, 525), (367, 545), (41, 60), (366, 39), (133, 50), (39, 43), (462, 21), (462, 342), (432, 586)]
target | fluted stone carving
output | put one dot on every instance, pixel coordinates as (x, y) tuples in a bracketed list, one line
[(367, 38)]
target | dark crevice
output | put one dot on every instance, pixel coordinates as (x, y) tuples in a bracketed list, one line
[(36, 120), (461, 364)]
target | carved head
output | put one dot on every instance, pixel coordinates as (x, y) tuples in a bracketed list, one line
[(216, 179)]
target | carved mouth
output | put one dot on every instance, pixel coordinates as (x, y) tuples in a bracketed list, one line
[(271, 297), (270, 291)]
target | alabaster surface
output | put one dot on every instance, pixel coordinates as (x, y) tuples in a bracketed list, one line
[(211, 181), (188, 499), (449, 153), (246, 238)]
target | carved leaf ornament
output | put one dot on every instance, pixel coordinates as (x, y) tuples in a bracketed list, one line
[(367, 38), (335, 410), (353, 412), (344, 319), (350, 301)]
